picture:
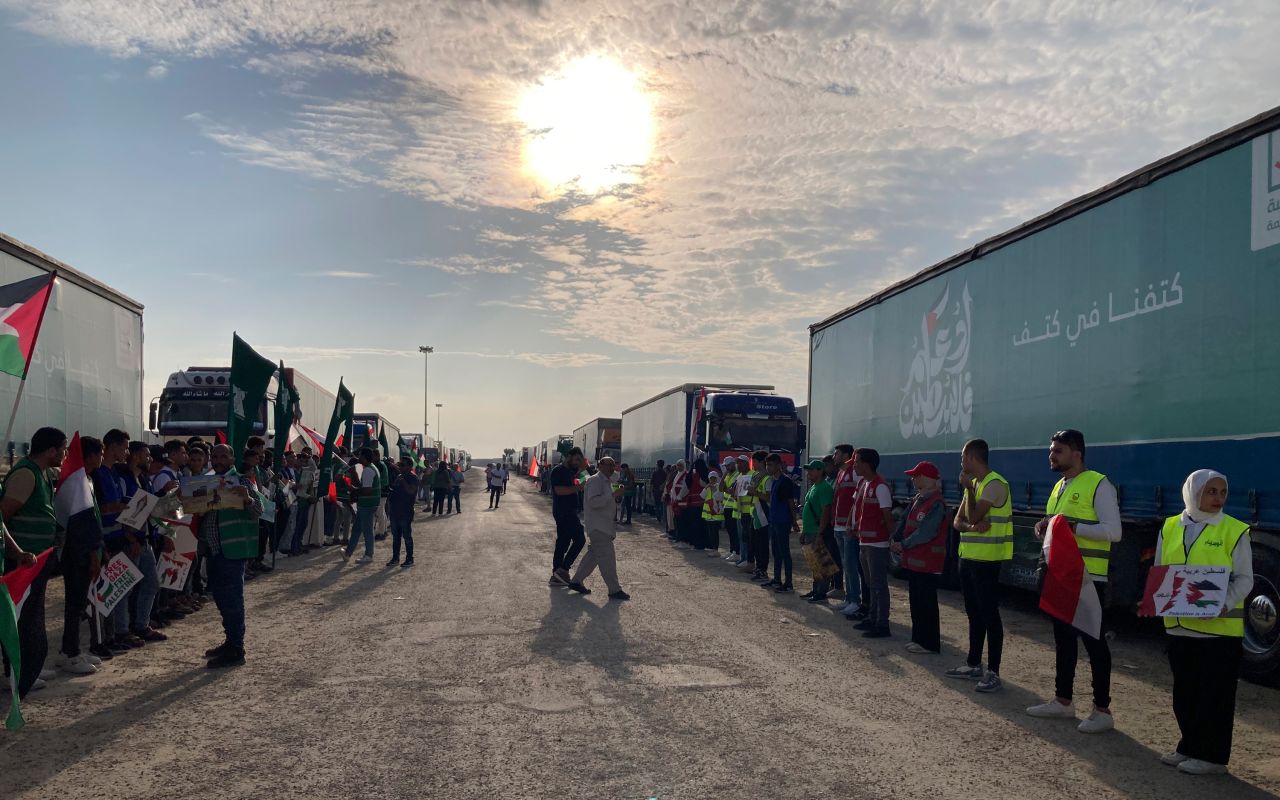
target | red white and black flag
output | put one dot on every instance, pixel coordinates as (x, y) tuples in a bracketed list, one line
[(1068, 593), (22, 307)]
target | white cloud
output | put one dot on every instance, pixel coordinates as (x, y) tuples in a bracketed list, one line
[(157, 71), (341, 273)]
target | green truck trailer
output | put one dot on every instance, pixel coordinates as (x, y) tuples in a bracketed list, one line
[(1143, 314)]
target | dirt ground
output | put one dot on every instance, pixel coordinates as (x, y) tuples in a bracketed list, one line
[(468, 677)]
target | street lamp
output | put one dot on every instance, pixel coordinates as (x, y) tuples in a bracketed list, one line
[(438, 428), (426, 351)]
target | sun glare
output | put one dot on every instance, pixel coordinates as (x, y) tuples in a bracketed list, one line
[(589, 127)]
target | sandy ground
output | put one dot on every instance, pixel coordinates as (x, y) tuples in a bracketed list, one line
[(467, 677)]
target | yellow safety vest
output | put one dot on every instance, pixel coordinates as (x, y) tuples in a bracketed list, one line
[(1076, 504), (995, 544), (1212, 548), (727, 485), (709, 511)]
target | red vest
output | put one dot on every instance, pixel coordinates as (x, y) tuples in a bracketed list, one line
[(932, 555), (846, 492), (867, 513)]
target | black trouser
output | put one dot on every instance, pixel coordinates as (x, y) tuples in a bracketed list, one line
[(437, 500), (980, 581), (760, 547), (264, 536), (75, 580), (627, 502), (495, 496), (1205, 672), (570, 539), (712, 529), (33, 640), (689, 527), (922, 589), (1064, 641)]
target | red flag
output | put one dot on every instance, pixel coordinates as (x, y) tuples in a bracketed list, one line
[(22, 307), (220, 437), (14, 590), (1068, 594), (533, 468), (75, 489)]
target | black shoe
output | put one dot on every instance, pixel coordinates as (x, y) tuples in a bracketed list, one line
[(857, 616), (213, 652), (784, 589), (231, 657), (818, 598), (393, 562), (408, 563), (876, 633), (102, 651), (172, 614), (579, 588), (864, 625), (807, 595), (619, 595), (769, 584), (265, 568)]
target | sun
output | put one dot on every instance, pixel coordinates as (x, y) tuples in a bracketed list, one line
[(589, 127)]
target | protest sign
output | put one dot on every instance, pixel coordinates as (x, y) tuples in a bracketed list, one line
[(138, 511), (172, 569), (203, 493), (116, 578), (268, 508), (1183, 590)]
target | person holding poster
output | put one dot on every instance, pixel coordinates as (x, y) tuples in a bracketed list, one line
[(229, 537), (1204, 653)]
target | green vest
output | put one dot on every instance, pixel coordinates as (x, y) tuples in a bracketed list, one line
[(384, 478), (375, 499), (727, 484), (995, 544), (34, 525), (1212, 548), (237, 531), (1076, 504)]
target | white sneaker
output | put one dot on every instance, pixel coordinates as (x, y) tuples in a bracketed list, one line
[(1097, 722), (1053, 710), (1194, 766), (92, 659), (78, 665), (39, 684), (281, 554), (848, 608), (920, 650), (47, 674), (1173, 759), (364, 560)]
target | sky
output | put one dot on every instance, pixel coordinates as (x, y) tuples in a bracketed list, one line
[(577, 204)]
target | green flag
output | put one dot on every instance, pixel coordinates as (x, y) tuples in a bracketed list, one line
[(382, 442), (343, 409), (405, 450), (285, 402), (250, 377)]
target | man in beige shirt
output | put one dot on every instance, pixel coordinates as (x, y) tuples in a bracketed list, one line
[(599, 500)]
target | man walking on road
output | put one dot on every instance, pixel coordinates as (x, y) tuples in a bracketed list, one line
[(459, 478), (368, 498), (1088, 500), (599, 499), (570, 539), (497, 480)]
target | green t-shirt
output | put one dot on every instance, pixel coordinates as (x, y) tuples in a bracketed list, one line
[(819, 496)]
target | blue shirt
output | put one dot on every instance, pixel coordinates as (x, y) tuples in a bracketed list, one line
[(781, 493), (108, 491)]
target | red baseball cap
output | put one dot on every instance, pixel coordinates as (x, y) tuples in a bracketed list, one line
[(925, 468)]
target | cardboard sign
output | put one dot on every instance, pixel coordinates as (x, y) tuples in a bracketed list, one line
[(268, 508), (203, 493), (1183, 590), (117, 577), (172, 570), (138, 511), (174, 567)]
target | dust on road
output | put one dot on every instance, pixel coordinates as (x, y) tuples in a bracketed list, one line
[(468, 677)]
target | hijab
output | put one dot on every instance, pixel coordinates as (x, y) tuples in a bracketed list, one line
[(1191, 491)]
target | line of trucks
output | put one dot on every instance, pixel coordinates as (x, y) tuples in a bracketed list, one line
[(1143, 314)]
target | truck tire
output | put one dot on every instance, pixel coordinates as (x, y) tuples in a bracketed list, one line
[(1261, 620)]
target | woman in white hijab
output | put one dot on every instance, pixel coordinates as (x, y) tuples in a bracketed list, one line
[(1204, 653)]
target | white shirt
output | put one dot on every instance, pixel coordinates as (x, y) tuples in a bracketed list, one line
[(368, 476), (597, 504), (1107, 507), (1238, 586), (497, 477)]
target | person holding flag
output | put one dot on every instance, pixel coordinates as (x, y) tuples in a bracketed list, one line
[(76, 510), (26, 504), (230, 539), (1085, 502)]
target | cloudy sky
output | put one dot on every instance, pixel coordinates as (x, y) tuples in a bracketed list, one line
[(578, 204)]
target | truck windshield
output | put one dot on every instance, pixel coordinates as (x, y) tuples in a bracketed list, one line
[(181, 412), (769, 434)]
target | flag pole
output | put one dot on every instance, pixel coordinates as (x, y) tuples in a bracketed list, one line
[(13, 415), (22, 385)]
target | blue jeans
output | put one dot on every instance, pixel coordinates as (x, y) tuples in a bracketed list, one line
[(363, 527), (849, 564), (301, 516), (226, 584), (144, 594), (780, 543), (402, 529)]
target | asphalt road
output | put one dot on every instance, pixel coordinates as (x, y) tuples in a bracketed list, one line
[(468, 677)]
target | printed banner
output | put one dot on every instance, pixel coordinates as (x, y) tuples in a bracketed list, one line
[(172, 569), (202, 493), (117, 577), (1183, 590), (138, 511)]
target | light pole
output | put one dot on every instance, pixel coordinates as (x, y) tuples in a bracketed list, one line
[(438, 428), (426, 353)]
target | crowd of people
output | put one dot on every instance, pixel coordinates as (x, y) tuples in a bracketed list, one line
[(285, 509), (850, 534)]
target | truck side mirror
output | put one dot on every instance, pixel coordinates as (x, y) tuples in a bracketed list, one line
[(155, 410)]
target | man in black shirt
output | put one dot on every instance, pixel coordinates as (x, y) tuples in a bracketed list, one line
[(570, 538)]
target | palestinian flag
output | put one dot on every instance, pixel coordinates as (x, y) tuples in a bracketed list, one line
[(383, 443), (75, 489), (250, 379), (343, 408), (22, 307), (14, 589), (1069, 594)]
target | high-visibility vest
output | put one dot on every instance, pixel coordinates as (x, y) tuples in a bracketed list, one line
[(995, 544), (1212, 548), (1076, 504), (713, 504), (730, 502)]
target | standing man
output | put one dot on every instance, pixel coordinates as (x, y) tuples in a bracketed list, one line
[(306, 496), (368, 498), (815, 519), (570, 538), (229, 537), (758, 492), (27, 507), (873, 517), (846, 493), (729, 485), (658, 482), (599, 499), (459, 477), (1088, 500), (985, 524), (745, 506), (404, 488), (782, 522), (497, 480)]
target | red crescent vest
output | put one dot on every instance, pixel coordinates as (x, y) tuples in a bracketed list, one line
[(932, 555), (866, 513), (846, 492)]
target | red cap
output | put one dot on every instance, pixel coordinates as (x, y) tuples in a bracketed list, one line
[(925, 468)]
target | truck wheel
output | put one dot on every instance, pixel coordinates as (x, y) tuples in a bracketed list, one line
[(1261, 622)]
